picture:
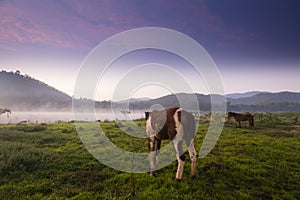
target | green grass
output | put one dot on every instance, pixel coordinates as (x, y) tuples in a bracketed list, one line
[(49, 162)]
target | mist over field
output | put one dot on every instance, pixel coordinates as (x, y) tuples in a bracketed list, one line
[(60, 117)]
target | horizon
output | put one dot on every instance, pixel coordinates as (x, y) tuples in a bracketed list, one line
[(155, 97), (255, 45)]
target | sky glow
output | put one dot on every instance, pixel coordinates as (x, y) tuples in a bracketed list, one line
[(255, 44)]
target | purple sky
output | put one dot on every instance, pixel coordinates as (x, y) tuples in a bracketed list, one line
[(255, 44)]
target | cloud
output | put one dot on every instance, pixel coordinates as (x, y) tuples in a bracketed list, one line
[(21, 24), (81, 26), (73, 24)]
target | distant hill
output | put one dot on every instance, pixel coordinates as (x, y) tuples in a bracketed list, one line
[(268, 98), (244, 95), (268, 102), (22, 92), (134, 100), (260, 102), (188, 101)]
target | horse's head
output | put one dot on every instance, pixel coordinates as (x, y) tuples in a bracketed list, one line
[(156, 120), (149, 129), (230, 114), (147, 115)]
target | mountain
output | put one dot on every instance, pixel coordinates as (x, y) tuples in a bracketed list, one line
[(22, 92), (244, 95), (188, 101), (268, 98), (260, 102), (134, 100), (267, 102)]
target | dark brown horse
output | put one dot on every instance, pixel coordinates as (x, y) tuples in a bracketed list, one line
[(176, 125), (238, 117)]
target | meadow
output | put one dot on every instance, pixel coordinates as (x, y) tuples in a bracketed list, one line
[(49, 161)]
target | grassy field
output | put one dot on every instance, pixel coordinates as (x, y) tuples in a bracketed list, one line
[(49, 161)]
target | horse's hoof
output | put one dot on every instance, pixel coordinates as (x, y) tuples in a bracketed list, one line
[(178, 180), (193, 177)]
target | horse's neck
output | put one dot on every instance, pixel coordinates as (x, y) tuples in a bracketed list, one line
[(234, 114)]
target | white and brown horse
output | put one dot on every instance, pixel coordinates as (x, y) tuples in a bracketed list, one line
[(176, 125)]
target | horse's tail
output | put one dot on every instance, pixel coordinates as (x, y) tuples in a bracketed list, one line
[(189, 126)]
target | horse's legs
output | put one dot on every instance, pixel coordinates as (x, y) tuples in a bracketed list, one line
[(151, 147), (239, 122), (193, 156), (180, 158), (153, 144), (157, 149), (251, 122)]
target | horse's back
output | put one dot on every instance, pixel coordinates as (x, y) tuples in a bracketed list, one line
[(167, 120)]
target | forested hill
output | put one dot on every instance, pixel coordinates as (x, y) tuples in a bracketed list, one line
[(270, 102), (263, 98), (22, 92), (260, 102)]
